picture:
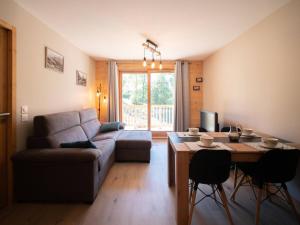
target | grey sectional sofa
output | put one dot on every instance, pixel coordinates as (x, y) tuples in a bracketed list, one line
[(47, 172)]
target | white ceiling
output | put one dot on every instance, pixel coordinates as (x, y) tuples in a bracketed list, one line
[(183, 29)]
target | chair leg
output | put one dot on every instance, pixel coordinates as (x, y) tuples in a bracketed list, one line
[(225, 203), (191, 191), (258, 203), (232, 197), (235, 176), (192, 204), (214, 193), (290, 201)]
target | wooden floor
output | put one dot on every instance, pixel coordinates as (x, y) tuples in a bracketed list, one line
[(138, 194)]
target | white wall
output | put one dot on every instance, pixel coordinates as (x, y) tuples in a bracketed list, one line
[(42, 90), (255, 79)]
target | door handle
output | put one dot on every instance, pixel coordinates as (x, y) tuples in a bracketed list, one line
[(4, 114)]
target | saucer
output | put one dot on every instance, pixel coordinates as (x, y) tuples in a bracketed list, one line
[(213, 145), (278, 146), (194, 134), (253, 135)]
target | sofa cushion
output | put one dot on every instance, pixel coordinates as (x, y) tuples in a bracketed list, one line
[(106, 148), (134, 140), (70, 135), (91, 128), (78, 144), (109, 135), (89, 122), (50, 124)]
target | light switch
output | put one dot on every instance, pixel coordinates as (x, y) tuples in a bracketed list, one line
[(24, 109), (24, 117)]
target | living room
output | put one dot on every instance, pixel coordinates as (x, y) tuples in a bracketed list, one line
[(104, 103)]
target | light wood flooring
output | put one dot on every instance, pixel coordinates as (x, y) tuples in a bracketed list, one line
[(138, 194)]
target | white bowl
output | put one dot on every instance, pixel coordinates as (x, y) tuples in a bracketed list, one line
[(270, 142), (247, 131), (207, 140)]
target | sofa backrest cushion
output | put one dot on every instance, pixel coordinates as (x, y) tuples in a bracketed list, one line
[(59, 128), (46, 125), (89, 122), (72, 134)]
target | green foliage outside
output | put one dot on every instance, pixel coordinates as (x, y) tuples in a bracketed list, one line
[(134, 89)]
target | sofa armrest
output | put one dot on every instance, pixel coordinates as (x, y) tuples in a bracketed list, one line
[(56, 175), (57, 155)]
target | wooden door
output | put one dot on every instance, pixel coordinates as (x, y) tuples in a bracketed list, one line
[(3, 114), (7, 110)]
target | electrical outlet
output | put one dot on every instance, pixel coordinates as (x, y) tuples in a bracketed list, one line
[(24, 109)]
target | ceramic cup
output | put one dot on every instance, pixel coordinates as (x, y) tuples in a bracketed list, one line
[(270, 142), (193, 130), (247, 131), (207, 140)]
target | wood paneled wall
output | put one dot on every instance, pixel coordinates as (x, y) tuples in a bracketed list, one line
[(196, 102), (195, 70)]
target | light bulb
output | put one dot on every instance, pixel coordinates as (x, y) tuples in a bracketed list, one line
[(153, 64), (160, 66), (144, 62)]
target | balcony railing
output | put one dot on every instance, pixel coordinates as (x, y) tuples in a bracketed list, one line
[(136, 117)]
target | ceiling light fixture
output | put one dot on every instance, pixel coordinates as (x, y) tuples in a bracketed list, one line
[(151, 47)]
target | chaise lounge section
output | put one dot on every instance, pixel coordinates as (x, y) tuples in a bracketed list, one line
[(47, 172)]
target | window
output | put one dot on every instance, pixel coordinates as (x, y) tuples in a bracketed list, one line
[(147, 101)]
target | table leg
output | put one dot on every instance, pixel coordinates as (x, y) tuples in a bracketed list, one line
[(171, 165), (182, 187)]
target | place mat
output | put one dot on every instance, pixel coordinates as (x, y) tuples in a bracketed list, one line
[(187, 134), (241, 147), (257, 146), (194, 146), (218, 134), (253, 135)]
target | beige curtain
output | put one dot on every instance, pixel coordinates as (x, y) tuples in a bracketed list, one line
[(181, 116), (113, 92)]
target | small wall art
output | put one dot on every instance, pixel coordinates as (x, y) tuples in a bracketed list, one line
[(81, 78), (196, 88), (54, 60)]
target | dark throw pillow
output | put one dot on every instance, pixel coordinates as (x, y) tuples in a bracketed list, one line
[(107, 127), (78, 144)]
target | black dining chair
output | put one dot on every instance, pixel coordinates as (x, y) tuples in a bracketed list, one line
[(211, 167), (274, 167), (234, 166)]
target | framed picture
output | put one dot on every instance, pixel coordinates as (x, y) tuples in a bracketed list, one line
[(199, 79), (80, 78), (54, 60), (196, 88)]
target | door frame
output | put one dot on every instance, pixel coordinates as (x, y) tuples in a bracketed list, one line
[(11, 131)]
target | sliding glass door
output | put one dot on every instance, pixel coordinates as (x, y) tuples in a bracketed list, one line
[(135, 101), (162, 101), (147, 101)]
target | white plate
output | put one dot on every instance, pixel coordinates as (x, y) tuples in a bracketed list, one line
[(192, 134), (278, 146), (213, 145), (249, 135)]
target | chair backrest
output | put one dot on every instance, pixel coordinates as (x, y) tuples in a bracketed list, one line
[(277, 166), (210, 166)]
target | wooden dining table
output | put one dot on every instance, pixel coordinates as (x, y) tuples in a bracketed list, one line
[(179, 156)]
